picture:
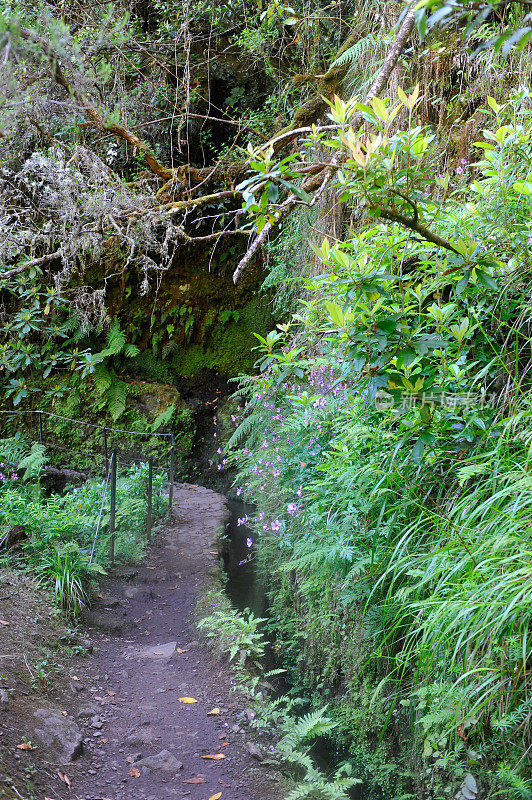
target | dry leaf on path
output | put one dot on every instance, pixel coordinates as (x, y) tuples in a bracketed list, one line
[(134, 772), (226, 744), (64, 713), (181, 650), (214, 712), (215, 796), (64, 777), (4, 622), (110, 693), (194, 780), (104, 741), (187, 700), (215, 757), (25, 746), (74, 678)]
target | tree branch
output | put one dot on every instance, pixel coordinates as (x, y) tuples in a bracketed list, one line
[(92, 112), (415, 226), (319, 182), (36, 262)]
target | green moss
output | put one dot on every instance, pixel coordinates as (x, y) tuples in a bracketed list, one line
[(229, 346)]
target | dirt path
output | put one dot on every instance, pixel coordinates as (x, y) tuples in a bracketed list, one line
[(140, 742)]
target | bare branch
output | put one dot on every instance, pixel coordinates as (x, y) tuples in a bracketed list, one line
[(319, 182), (92, 112), (36, 262)]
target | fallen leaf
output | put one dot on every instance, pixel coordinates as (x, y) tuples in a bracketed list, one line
[(110, 693), (74, 678), (181, 650), (215, 796), (225, 744), (149, 612), (104, 741), (194, 780), (215, 757), (100, 596), (214, 712), (64, 713), (134, 772), (64, 777), (186, 700), (25, 746), (4, 622)]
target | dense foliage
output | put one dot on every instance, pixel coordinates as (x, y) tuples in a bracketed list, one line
[(387, 447), (382, 155), (66, 537)]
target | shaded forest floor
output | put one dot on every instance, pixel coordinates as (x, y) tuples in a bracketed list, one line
[(120, 703)]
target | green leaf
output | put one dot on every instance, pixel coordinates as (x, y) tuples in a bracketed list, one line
[(335, 313)]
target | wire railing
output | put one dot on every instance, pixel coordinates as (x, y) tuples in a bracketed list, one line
[(111, 464)]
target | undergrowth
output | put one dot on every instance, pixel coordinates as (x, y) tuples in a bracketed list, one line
[(59, 542), (288, 736)]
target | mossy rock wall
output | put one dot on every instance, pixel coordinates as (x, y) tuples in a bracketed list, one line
[(196, 320)]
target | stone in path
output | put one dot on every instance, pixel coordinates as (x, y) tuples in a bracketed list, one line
[(164, 761), (60, 736)]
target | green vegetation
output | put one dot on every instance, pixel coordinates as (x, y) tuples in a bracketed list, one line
[(59, 544), (392, 424), (365, 182), (240, 638)]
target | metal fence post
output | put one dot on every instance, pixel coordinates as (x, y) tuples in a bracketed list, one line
[(150, 493), (171, 477), (40, 426), (106, 450), (113, 509)]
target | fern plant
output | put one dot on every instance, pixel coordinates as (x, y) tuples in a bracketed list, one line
[(111, 390), (294, 749), (33, 462)]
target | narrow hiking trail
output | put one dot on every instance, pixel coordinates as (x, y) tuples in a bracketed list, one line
[(140, 742)]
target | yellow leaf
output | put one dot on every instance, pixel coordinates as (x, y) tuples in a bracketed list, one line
[(186, 700), (215, 757), (181, 650), (402, 96), (215, 796), (379, 108), (214, 712)]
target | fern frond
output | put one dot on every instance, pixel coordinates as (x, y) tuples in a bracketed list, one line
[(33, 462), (131, 350), (115, 399), (14, 448), (102, 379), (354, 52)]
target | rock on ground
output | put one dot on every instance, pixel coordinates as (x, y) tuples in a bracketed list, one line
[(163, 760), (57, 734)]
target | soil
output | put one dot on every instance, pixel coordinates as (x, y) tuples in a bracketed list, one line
[(140, 741)]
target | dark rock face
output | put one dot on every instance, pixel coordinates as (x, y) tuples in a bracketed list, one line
[(60, 736)]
